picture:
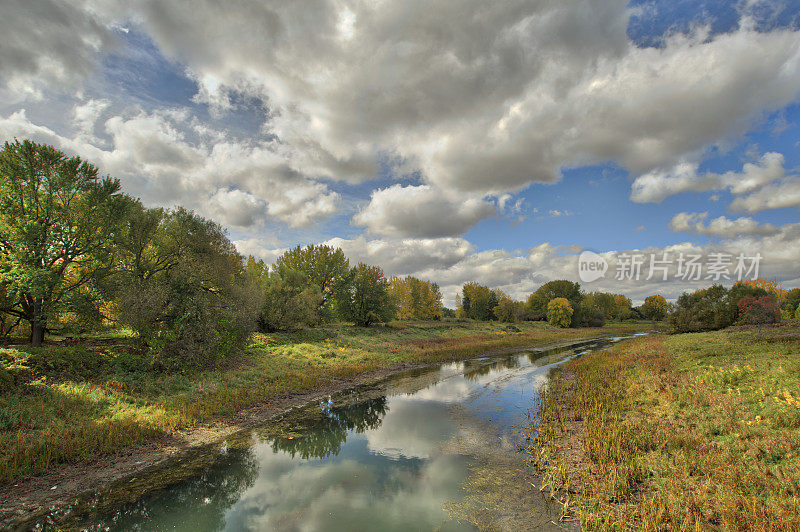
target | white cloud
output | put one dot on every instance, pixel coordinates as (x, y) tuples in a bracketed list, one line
[(782, 193), (481, 98), (451, 262), (420, 211), (721, 226), (759, 186), (657, 185), (238, 184), (48, 45)]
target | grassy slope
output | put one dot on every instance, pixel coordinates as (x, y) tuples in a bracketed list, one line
[(691, 431), (99, 396)]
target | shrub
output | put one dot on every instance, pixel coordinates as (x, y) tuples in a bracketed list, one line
[(182, 288), (702, 310), (758, 311), (559, 312), (588, 317)]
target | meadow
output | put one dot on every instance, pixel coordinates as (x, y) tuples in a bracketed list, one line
[(690, 431), (73, 400)]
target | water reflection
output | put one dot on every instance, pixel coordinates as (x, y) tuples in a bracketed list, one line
[(197, 503), (321, 434)]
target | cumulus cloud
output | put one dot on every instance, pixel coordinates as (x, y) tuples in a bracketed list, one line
[(239, 184), (481, 98), (720, 227), (420, 211), (47, 44), (758, 186), (782, 193), (657, 185)]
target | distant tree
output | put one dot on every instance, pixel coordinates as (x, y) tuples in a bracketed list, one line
[(364, 298), (478, 302), (448, 313), (57, 224), (797, 313), (508, 310), (569, 290), (559, 312), (323, 266), (792, 301), (655, 308), (416, 299)]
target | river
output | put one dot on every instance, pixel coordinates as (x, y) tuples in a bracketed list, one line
[(430, 449)]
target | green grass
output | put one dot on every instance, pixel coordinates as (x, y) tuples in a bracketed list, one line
[(71, 403), (693, 431)]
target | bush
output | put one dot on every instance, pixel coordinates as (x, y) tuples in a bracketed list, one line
[(588, 317), (182, 288), (290, 302), (759, 311), (703, 310), (559, 312)]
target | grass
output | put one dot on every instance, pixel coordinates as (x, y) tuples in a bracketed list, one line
[(685, 432), (71, 403)]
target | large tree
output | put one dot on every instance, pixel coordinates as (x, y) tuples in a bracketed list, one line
[(57, 222), (323, 266), (181, 285), (364, 298), (570, 291)]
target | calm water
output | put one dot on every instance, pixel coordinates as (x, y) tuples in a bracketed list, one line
[(386, 457)]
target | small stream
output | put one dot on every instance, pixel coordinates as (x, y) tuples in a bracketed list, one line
[(404, 454)]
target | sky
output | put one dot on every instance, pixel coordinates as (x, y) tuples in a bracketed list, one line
[(453, 140)]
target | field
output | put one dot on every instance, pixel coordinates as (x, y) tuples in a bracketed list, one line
[(683, 432), (72, 403)]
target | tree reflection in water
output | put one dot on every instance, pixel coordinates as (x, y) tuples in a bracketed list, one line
[(316, 434), (195, 503)]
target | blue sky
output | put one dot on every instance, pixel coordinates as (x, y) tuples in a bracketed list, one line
[(452, 147)]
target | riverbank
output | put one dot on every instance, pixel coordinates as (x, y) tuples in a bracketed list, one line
[(679, 432), (89, 414)]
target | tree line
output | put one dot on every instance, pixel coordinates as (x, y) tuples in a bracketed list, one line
[(77, 254), (560, 302)]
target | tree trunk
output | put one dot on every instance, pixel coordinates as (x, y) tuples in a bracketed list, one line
[(37, 325)]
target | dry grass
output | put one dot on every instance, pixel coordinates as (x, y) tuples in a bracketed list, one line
[(686, 432)]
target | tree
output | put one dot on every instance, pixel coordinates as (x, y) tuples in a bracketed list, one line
[(181, 286), (792, 301), (416, 299), (623, 307), (478, 302), (289, 302), (364, 296), (570, 291), (58, 220), (323, 266), (706, 309), (559, 312), (655, 308), (508, 310)]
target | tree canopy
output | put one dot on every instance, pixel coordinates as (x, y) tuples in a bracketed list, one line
[(58, 221)]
